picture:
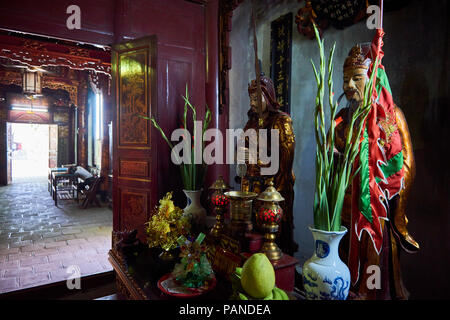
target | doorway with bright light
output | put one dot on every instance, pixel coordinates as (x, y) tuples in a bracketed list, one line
[(29, 150)]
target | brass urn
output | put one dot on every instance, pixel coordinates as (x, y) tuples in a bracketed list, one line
[(241, 211)]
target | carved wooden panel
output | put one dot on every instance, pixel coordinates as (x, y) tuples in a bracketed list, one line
[(42, 53), (133, 208), (28, 117), (133, 93), (134, 168)]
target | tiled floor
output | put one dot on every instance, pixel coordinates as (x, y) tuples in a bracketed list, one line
[(39, 241)]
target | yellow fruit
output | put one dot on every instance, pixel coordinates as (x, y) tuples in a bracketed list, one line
[(258, 276)]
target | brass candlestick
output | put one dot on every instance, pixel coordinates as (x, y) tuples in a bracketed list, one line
[(269, 215), (241, 211), (220, 203)]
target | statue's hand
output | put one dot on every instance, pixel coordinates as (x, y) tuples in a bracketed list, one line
[(246, 155), (242, 155), (337, 154)]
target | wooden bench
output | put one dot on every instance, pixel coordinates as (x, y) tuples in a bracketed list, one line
[(90, 194), (62, 185)]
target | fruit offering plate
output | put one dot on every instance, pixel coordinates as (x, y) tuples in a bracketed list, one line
[(170, 286)]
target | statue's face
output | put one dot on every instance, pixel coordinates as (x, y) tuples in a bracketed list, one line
[(254, 102), (354, 82)]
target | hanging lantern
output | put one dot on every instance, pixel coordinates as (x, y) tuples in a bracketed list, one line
[(220, 203), (31, 82), (269, 216)]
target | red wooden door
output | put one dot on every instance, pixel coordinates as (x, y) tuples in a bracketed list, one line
[(134, 164)]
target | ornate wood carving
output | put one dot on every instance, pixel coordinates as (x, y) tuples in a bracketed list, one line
[(15, 77), (134, 168), (133, 94), (126, 285), (27, 117), (71, 89), (133, 207), (226, 8), (10, 77), (124, 281), (39, 53)]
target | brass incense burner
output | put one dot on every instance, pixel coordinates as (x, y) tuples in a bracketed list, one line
[(241, 211), (269, 216)]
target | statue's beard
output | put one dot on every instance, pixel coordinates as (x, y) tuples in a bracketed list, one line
[(353, 95), (252, 114), (353, 104)]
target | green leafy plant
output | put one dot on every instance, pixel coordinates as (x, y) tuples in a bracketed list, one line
[(333, 170), (193, 175)]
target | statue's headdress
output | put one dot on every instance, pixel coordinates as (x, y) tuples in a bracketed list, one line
[(358, 57), (268, 90)]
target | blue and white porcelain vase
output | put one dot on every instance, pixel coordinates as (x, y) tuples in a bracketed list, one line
[(325, 276)]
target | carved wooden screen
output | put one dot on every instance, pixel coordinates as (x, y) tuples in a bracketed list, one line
[(134, 164)]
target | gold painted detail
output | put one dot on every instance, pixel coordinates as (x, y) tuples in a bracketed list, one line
[(134, 168), (389, 126)]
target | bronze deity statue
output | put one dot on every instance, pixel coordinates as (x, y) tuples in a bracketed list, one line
[(395, 233), (284, 178)]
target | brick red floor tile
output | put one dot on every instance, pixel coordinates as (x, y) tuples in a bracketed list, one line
[(77, 241), (8, 284), (55, 244), (35, 235), (90, 268), (67, 231), (32, 261), (69, 249), (56, 265), (76, 261), (59, 274), (51, 235), (86, 252), (20, 256), (9, 264), (60, 256), (18, 244), (45, 252), (65, 237), (34, 279), (12, 273), (9, 251)]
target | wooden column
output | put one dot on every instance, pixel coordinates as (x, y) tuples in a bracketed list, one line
[(219, 114), (82, 126), (107, 117)]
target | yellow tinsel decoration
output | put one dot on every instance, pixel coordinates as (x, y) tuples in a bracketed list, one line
[(166, 224)]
